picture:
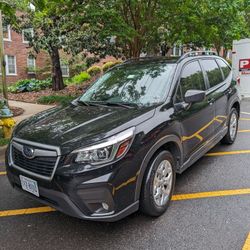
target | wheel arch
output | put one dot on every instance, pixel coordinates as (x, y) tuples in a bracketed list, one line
[(236, 105), (173, 144)]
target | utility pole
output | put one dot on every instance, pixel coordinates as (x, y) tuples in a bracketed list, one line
[(3, 87)]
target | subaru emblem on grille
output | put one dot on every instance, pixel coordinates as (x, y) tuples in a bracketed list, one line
[(28, 152)]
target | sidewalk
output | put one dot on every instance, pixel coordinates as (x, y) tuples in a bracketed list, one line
[(29, 109)]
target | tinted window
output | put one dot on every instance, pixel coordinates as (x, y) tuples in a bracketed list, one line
[(191, 78), (213, 72), (225, 68)]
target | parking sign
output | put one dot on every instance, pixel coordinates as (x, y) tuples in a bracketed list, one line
[(244, 65)]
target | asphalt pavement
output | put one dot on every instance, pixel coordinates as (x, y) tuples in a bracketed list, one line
[(210, 210)]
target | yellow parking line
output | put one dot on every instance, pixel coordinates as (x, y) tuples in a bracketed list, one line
[(246, 113), (34, 210), (244, 131), (219, 193), (228, 153), (247, 243), (176, 197), (245, 119), (3, 173)]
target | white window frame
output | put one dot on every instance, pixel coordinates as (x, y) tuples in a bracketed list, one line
[(23, 37), (31, 72), (174, 50), (7, 66), (9, 34), (67, 70)]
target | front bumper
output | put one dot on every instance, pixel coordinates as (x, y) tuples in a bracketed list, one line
[(101, 195)]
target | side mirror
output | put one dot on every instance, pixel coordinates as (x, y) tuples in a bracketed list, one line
[(193, 96)]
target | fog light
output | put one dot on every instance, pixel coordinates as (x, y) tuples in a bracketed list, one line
[(105, 206)]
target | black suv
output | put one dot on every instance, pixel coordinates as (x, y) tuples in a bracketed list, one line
[(118, 147)]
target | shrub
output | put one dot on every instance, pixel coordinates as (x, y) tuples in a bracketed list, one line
[(229, 61), (82, 77), (56, 99), (91, 60), (29, 85), (94, 70), (77, 68), (109, 65)]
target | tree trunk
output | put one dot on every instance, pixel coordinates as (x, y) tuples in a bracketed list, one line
[(57, 79), (218, 48)]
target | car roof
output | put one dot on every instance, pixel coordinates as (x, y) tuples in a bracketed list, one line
[(173, 60)]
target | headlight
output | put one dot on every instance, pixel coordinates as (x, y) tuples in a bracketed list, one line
[(111, 149)]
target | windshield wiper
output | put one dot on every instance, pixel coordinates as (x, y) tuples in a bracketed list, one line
[(82, 102), (91, 103), (127, 105)]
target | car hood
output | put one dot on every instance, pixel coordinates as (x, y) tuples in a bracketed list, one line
[(75, 126)]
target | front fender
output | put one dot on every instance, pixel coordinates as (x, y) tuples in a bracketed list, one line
[(164, 140)]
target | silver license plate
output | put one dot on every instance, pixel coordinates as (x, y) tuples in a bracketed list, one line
[(29, 185)]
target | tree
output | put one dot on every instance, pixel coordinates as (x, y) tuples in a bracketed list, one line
[(212, 23), (64, 25)]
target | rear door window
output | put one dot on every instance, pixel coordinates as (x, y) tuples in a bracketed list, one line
[(225, 68), (213, 72), (191, 78)]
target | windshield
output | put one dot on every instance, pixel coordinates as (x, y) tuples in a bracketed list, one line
[(140, 84)]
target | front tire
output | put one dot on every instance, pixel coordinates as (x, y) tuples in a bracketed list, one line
[(158, 184), (230, 137)]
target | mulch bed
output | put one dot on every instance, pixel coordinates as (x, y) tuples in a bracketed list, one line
[(33, 96), (16, 111)]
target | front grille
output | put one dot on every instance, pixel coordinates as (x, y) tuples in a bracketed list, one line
[(40, 165)]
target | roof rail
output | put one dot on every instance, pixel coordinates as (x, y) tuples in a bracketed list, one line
[(198, 53), (143, 58)]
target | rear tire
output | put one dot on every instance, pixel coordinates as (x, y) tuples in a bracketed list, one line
[(158, 184), (231, 135)]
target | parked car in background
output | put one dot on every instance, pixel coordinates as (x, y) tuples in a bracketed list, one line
[(118, 147)]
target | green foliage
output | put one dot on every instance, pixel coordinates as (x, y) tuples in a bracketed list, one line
[(56, 99), (82, 77), (109, 65), (77, 68), (91, 60), (229, 61), (94, 70), (4, 141), (29, 85)]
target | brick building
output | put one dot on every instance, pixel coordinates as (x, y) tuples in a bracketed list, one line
[(20, 63)]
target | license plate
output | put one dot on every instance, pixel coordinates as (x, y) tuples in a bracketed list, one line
[(29, 185)]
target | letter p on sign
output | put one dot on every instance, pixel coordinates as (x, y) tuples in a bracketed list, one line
[(244, 65)]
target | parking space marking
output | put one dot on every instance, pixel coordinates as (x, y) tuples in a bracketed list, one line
[(245, 113), (244, 131), (247, 243), (34, 210), (3, 173), (176, 197), (245, 119), (217, 193), (237, 152)]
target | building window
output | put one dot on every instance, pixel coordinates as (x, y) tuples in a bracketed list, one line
[(10, 65), (6, 32), (31, 64), (27, 34), (65, 70), (177, 50)]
